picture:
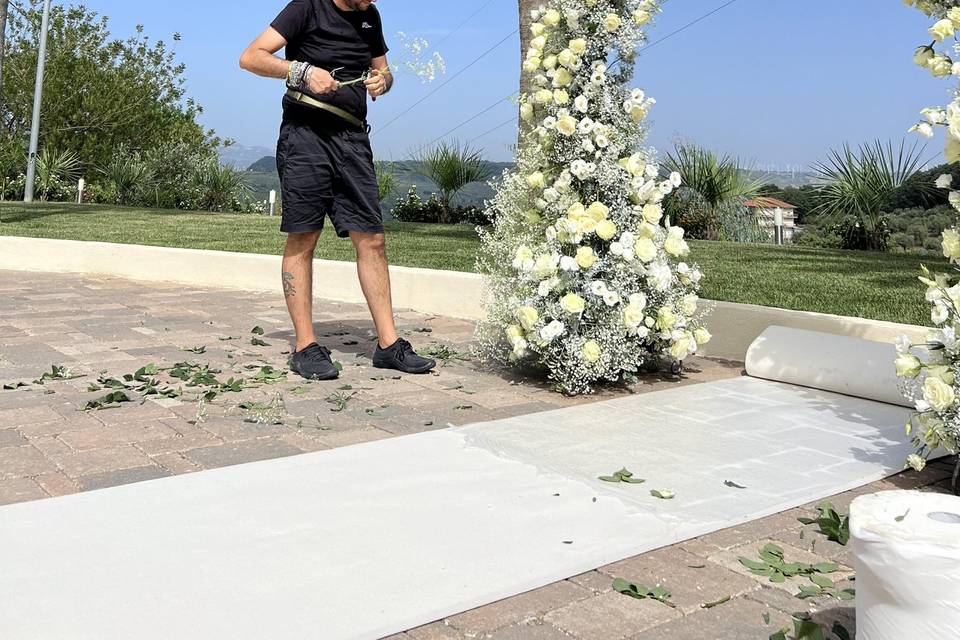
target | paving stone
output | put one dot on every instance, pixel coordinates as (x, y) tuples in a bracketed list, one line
[(20, 490), (809, 540), (122, 476), (354, 436), (133, 413), (304, 441), (176, 463), (240, 452), (691, 580), (21, 462), (729, 558), (57, 484), (530, 631), (756, 529), (117, 434), (436, 631), (532, 604), (74, 421), (85, 463), (739, 619), (51, 446), (28, 416), (11, 438), (185, 438), (610, 616), (594, 581)]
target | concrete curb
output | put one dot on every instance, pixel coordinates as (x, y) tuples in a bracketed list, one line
[(447, 293)]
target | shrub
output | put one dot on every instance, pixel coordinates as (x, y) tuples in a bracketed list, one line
[(413, 208)]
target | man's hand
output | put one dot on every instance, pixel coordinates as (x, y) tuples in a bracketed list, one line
[(321, 82), (376, 84)]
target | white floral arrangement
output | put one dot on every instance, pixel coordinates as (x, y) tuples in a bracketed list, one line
[(930, 370), (586, 278)]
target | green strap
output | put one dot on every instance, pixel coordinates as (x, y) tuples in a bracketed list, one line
[(303, 98)]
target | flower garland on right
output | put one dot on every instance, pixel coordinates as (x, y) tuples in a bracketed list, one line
[(931, 383)]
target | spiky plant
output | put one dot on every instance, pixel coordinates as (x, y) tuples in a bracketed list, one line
[(55, 167), (451, 167), (860, 182)]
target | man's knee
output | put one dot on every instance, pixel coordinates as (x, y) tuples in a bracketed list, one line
[(368, 244), (302, 242)]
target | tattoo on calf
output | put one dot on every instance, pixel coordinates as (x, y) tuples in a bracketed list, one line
[(288, 289)]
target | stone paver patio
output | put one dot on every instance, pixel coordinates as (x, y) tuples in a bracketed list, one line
[(101, 327)]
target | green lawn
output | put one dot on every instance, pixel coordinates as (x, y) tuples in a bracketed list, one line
[(853, 283)]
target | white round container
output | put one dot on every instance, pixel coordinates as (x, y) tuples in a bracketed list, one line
[(906, 546)]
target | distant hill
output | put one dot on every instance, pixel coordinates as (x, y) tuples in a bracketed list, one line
[(266, 164), (241, 157), (783, 178)]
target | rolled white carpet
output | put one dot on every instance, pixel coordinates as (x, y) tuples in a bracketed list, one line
[(906, 546), (841, 364)]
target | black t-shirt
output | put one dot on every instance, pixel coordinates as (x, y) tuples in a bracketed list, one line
[(319, 32)]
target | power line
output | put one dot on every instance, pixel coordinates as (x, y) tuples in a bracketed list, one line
[(511, 120), (686, 26), (450, 79), (465, 122), (460, 26)]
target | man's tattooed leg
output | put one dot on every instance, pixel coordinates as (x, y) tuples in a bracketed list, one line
[(288, 289)]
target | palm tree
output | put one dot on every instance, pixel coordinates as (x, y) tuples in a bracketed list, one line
[(718, 180), (711, 203), (452, 167), (861, 183)]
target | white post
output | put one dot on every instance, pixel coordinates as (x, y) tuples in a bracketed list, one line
[(778, 225), (80, 186), (273, 200), (37, 99)]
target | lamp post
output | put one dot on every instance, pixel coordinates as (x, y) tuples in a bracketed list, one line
[(37, 100), (778, 225)]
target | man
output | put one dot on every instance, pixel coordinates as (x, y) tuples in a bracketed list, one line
[(335, 57)]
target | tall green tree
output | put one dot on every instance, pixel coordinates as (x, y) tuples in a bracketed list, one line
[(101, 92), (4, 4)]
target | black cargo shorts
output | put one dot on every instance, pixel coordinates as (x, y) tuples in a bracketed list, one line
[(326, 169)]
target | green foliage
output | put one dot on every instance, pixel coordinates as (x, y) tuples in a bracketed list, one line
[(710, 205), (413, 208), (101, 92), (831, 523), (452, 166), (860, 184), (386, 180), (718, 180)]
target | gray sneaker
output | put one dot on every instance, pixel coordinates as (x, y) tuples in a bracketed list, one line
[(314, 363)]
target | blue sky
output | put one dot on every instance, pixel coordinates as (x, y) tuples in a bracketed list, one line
[(776, 82)]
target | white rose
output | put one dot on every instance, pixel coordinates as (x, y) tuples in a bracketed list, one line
[(952, 151), (612, 298), (923, 55), (702, 336), (938, 394), (645, 249), (526, 112), (951, 244), (915, 462), (528, 317), (562, 78), (572, 303), (581, 104), (942, 30), (578, 46), (567, 125), (940, 66), (552, 18), (591, 351), (944, 181), (568, 263), (606, 229), (641, 17), (675, 245), (908, 365), (536, 180), (611, 22), (552, 331)]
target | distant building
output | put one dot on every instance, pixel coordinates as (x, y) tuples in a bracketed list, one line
[(766, 211)]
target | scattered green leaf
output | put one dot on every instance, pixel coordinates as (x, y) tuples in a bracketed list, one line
[(831, 524), (663, 494)]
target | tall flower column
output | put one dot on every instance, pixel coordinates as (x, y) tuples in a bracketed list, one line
[(587, 280), (931, 382)]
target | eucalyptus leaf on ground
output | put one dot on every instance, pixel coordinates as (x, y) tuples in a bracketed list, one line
[(663, 494), (834, 526), (109, 401), (624, 475), (640, 592), (257, 330)]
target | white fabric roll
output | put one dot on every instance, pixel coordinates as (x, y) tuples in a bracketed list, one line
[(842, 364), (906, 547)]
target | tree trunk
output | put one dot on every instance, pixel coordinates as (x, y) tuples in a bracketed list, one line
[(526, 6), (3, 38)]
